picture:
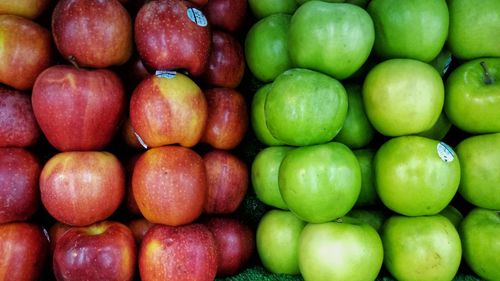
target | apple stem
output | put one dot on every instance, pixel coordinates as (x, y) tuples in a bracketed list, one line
[(72, 60), (487, 76)]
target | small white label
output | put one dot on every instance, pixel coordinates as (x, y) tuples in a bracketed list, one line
[(165, 74), (197, 17), (445, 152), (140, 140)]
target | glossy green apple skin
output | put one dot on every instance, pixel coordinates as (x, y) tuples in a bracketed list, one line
[(264, 175), (416, 176), (452, 214), (368, 194), (403, 96), (277, 241), (421, 248), (480, 164), (266, 47), (357, 130), (320, 183), (415, 29), (333, 38), (474, 31), (361, 3), (372, 216), (263, 8), (471, 103), (480, 234), (439, 130), (305, 107), (347, 250), (258, 117)]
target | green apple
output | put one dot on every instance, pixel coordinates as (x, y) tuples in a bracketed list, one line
[(320, 183), (357, 131), (372, 216), (480, 164), (439, 130), (442, 62), (474, 28), (264, 175), (277, 241), (403, 96), (453, 214), (333, 38), (344, 250), (361, 3), (416, 176), (266, 47), (472, 100), (368, 194), (415, 29), (258, 117), (263, 8), (305, 107), (421, 248), (480, 233)]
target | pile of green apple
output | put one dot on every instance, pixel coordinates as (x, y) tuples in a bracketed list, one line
[(381, 121)]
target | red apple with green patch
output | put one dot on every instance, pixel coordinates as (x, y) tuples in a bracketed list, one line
[(30, 9)]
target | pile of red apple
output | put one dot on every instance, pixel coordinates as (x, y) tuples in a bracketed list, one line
[(118, 123)]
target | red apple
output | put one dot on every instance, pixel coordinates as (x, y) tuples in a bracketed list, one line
[(18, 126), (228, 15), (102, 251), (30, 9), (173, 34), (23, 248), (26, 51), (129, 136), (227, 178), (82, 187), (235, 244), (170, 110), (139, 228), (55, 232), (19, 193), (227, 118), (170, 185), (180, 253), (130, 202), (95, 33), (226, 64), (199, 3), (78, 109)]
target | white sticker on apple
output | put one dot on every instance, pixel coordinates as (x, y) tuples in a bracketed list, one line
[(165, 73), (445, 152), (197, 16)]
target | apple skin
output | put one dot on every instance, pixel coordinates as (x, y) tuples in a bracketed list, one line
[(421, 248), (30, 9), (305, 107), (479, 162), (102, 251), (235, 244), (82, 187), (473, 29), (266, 47), (167, 39), (440, 129), (403, 96), (19, 195), (258, 117), (139, 228), (129, 203), (95, 33), (170, 185), (368, 194), (228, 15), (480, 236), (277, 241), (128, 135), (263, 8), (26, 51), (56, 231), (226, 63), (409, 29), (18, 125), (333, 38), (182, 253), (472, 102), (264, 175), (167, 111), (373, 216), (78, 109), (346, 249), (24, 248), (416, 176), (227, 120), (227, 181), (452, 214)]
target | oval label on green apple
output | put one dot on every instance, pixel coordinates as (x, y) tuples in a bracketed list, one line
[(197, 16), (165, 73), (445, 152)]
